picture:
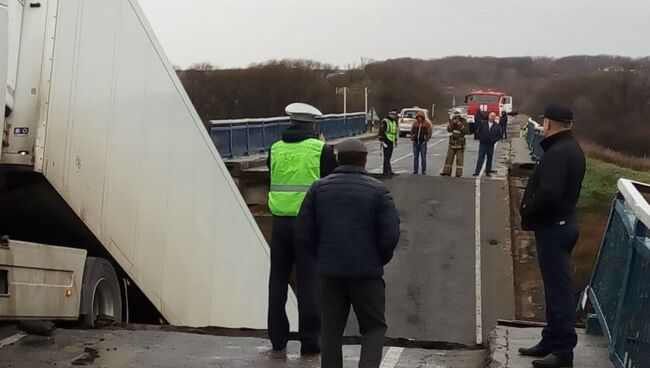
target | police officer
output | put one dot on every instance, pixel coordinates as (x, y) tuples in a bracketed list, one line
[(388, 139), (459, 129), (548, 208), (295, 162)]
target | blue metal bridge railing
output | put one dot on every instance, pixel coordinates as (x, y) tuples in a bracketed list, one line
[(620, 286), (244, 137), (534, 136)]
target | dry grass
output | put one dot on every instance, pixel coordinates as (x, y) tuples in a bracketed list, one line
[(601, 153)]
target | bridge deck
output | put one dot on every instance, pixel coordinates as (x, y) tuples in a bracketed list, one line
[(433, 278)]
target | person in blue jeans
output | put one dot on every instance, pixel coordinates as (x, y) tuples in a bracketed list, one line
[(488, 133), (420, 135)]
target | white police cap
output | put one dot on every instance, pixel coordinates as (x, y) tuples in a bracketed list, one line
[(302, 112)]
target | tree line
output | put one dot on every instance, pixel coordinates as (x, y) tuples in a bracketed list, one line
[(610, 94)]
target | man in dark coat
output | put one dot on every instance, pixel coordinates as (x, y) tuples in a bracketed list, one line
[(503, 123), (488, 134), (548, 208), (479, 118), (348, 220)]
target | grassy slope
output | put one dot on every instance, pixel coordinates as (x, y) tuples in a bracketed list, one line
[(598, 190), (599, 186)]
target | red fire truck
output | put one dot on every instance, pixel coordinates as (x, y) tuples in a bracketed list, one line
[(486, 101)]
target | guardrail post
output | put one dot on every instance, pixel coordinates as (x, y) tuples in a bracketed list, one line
[(232, 153), (263, 135), (248, 136)]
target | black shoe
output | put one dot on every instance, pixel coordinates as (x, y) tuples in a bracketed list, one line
[(280, 349), (475, 174), (492, 172), (445, 174), (488, 175), (309, 349), (553, 361), (537, 351)]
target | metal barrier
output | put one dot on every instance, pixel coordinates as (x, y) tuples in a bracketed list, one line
[(534, 137), (244, 137), (620, 286)]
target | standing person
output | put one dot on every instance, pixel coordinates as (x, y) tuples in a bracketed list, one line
[(388, 139), (294, 162), (349, 222), (421, 133), (548, 208), (459, 129), (479, 118), (503, 123), (489, 133)]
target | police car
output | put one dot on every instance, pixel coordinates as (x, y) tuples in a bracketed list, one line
[(407, 118)]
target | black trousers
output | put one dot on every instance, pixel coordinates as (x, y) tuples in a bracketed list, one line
[(284, 254), (367, 297), (554, 247), (483, 151), (388, 155)]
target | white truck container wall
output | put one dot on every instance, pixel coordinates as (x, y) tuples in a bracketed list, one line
[(127, 151), (26, 46), (4, 51)]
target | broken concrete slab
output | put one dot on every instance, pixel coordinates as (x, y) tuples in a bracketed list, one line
[(142, 349)]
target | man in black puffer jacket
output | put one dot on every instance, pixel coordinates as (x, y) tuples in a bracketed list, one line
[(548, 208), (348, 220)]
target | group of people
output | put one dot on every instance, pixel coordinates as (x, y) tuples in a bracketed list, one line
[(339, 227), (488, 131)]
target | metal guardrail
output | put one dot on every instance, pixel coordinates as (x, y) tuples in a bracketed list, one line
[(620, 286), (534, 137), (244, 137)]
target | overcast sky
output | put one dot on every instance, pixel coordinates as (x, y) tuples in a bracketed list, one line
[(236, 33)]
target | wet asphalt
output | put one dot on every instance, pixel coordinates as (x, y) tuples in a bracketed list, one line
[(144, 349)]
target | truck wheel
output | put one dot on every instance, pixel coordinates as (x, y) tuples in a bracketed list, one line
[(101, 299)]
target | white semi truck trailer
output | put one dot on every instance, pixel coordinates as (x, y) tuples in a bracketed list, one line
[(109, 181)]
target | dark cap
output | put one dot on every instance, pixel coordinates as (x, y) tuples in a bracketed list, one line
[(392, 111), (352, 145), (559, 113)]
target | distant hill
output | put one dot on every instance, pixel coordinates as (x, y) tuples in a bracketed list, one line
[(611, 94)]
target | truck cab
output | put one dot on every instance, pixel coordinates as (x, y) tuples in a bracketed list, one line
[(487, 101)]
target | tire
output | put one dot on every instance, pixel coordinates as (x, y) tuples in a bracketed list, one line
[(101, 298), (402, 135)]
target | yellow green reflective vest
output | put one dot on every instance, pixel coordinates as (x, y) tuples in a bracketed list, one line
[(294, 167), (391, 130)]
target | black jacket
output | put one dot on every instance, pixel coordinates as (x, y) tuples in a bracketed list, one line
[(486, 135), (503, 120), (348, 220), (298, 133), (553, 189), (479, 118)]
